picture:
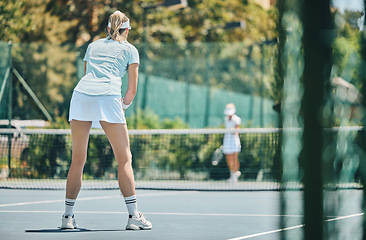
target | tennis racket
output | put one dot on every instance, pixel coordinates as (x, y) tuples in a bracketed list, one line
[(217, 156)]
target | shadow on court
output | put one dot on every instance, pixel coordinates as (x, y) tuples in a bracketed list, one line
[(59, 230)]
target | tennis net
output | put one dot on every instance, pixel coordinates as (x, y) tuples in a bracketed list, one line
[(162, 159)]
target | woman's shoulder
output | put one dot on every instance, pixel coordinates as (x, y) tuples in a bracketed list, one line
[(97, 42), (101, 40), (237, 119), (130, 46)]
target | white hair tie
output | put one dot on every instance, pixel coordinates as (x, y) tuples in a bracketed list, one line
[(124, 25)]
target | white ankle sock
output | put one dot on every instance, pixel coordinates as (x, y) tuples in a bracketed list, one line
[(131, 204), (69, 206)]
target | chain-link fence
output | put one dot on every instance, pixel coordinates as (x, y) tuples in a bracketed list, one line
[(193, 82), (4, 78)]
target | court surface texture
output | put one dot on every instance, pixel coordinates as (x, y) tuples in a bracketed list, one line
[(189, 215)]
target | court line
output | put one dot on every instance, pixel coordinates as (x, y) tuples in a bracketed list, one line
[(344, 217), (94, 198), (265, 233), (53, 201), (157, 213), (226, 214), (294, 227)]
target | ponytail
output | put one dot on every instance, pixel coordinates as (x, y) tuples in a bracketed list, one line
[(116, 20)]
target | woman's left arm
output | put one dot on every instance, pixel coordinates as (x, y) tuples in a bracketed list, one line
[(133, 72), (237, 127)]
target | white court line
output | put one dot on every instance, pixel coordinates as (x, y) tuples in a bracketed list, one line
[(28, 211), (53, 201), (226, 214), (156, 213), (265, 233), (294, 227), (344, 217), (94, 198)]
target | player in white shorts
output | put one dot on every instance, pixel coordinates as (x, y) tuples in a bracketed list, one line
[(96, 102), (231, 144)]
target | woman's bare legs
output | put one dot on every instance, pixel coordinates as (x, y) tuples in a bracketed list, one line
[(80, 137), (118, 137), (236, 165), (230, 161)]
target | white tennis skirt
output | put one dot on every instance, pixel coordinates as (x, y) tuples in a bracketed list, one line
[(231, 144), (96, 108)]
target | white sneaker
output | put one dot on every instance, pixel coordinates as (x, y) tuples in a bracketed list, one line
[(138, 223), (68, 222), (233, 178)]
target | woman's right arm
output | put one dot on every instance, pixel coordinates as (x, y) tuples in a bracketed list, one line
[(133, 72)]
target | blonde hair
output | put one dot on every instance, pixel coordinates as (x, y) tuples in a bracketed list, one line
[(116, 20)]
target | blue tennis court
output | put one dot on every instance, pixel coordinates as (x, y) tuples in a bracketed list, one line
[(101, 214)]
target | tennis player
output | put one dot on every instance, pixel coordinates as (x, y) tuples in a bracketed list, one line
[(231, 144), (96, 102)]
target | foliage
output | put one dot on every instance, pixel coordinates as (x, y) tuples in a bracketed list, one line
[(101, 163), (154, 156), (59, 123), (50, 71), (79, 21), (12, 20), (50, 155), (203, 21), (347, 54), (146, 119), (46, 156)]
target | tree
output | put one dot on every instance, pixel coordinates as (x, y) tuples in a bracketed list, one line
[(13, 22), (81, 21), (347, 48), (203, 21), (66, 23)]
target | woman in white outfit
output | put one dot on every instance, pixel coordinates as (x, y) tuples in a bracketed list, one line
[(96, 102), (231, 145)]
